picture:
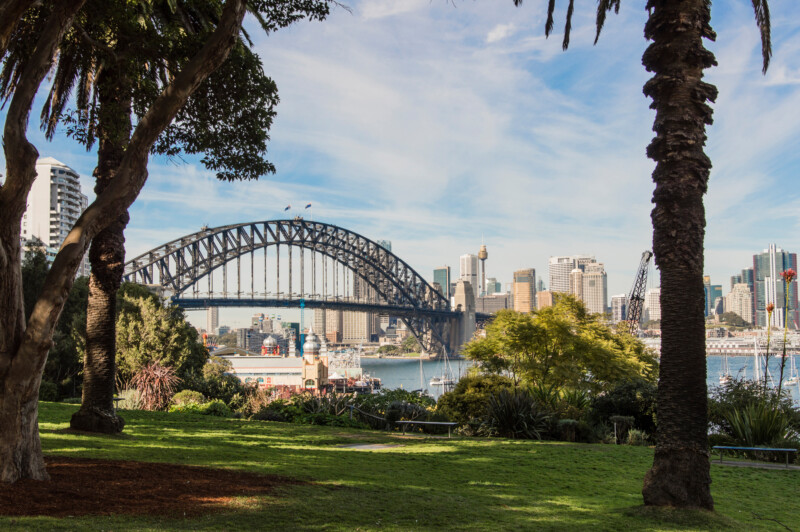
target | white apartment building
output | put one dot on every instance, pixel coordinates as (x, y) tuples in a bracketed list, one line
[(54, 204), (740, 301), (595, 287), (559, 269), (652, 305), (619, 303)]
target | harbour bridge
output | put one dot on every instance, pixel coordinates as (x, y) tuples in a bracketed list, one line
[(300, 263)]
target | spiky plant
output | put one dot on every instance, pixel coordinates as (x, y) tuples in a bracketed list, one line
[(156, 386)]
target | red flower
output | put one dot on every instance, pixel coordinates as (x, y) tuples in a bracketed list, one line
[(770, 308), (788, 275)]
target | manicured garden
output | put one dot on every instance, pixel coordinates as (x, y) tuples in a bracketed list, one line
[(420, 483)]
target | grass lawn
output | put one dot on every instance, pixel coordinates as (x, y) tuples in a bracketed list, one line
[(423, 484)]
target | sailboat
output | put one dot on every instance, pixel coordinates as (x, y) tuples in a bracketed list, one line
[(725, 376), (446, 378), (794, 378)]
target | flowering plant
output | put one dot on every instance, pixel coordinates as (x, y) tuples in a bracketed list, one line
[(788, 277), (770, 308)]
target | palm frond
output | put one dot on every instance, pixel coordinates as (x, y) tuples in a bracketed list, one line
[(761, 8), (548, 26), (568, 25), (603, 7)]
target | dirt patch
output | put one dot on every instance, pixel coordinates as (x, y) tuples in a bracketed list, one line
[(80, 486)]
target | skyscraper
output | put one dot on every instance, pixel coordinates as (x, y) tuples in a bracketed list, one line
[(740, 301), (493, 286), (442, 276), (576, 283), (212, 320), (618, 304), (54, 204), (652, 305), (524, 290), (769, 286), (559, 269), (712, 292), (469, 271), (595, 287)]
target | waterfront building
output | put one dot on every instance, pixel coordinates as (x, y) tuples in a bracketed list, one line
[(54, 204), (652, 305), (619, 304), (524, 290), (468, 270), (544, 299), (769, 286), (442, 277)]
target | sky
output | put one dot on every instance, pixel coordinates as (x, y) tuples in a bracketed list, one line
[(442, 124)]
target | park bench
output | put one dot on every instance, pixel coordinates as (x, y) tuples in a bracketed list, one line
[(449, 424), (722, 448)]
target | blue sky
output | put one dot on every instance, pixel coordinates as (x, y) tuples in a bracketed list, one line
[(436, 124)]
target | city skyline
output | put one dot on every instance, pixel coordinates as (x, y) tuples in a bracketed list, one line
[(441, 127)]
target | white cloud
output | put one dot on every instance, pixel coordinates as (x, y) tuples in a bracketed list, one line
[(499, 32)]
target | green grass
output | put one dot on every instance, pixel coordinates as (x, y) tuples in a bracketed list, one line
[(426, 484)]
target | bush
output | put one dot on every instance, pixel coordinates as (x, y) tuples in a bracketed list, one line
[(156, 386), (636, 399), (469, 398), (130, 399), (567, 429), (638, 437), (514, 414), (48, 391), (215, 407), (184, 397), (740, 394)]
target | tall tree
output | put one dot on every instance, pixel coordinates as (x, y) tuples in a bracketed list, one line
[(680, 475), (23, 349)]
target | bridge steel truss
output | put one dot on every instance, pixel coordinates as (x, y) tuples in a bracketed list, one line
[(178, 266)]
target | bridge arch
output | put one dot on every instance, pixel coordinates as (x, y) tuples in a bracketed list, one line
[(394, 286)]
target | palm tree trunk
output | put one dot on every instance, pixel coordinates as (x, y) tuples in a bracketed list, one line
[(107, 259), (680, 475)]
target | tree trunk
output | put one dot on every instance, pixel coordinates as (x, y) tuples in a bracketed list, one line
[(680, 475), (107, 258), (22, 354)]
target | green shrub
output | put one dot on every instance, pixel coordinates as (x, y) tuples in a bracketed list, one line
[(469, 398), (187, 408), (184, 397), (622, 424), (130, 399), (48, 391), (72, 400), (638, 437), (216, 407), (756, 424), (738, 395), (567, 429), (514, 414)]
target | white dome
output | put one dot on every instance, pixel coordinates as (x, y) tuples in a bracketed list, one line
[(270, 341), (311, 344)]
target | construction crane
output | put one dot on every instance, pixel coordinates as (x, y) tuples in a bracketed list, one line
[(636, 297)]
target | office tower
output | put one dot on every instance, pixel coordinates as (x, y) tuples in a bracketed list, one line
[(735, 279), (469, 270), (559, 269), (333, 326), (490, 304), (544, 299), (524, 290), (54, 204), (358, 327), (595, 287), (493, 286), (385, 244), (618, 307), (769, 286), (212, 320), (482, 256), (540, 286), (740, 301), (442, 276), (320, 324), (712, 292), (652, 305), (576, 283)]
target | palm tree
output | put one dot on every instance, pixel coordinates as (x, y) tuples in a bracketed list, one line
[(680, 475)]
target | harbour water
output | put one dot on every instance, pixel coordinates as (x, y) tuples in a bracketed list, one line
[(405, 373)]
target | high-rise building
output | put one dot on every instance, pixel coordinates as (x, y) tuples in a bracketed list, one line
[(468, 270), (492, 303), (540, 285), (442, 277), (493, 286), (385, 244), (559, 269), (595, 287), (576, 283), (544, 299), (712, 292), (212, 320), (54, 204), (740, 301), (769, 286), (524, 290), (652, 305), (618, 307)]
